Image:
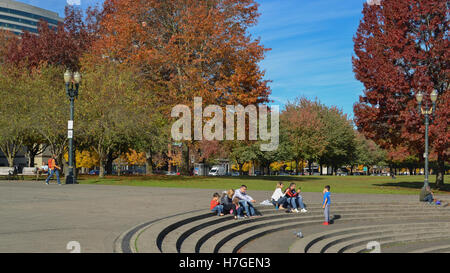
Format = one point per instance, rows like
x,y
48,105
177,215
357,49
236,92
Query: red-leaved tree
x,y
62,46
401,48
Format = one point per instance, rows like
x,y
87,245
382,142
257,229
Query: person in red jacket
x,y
294,199
215,205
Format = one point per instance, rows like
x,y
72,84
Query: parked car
x,y
342,172
217,170
94,172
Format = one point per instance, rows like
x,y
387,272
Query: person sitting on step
x,y
426,195
238,211
278,198
245,200
227,201
294,199
215,206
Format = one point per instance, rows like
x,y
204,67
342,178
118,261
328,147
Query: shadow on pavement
x,y
412,185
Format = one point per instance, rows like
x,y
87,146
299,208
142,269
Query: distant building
x,y
20,17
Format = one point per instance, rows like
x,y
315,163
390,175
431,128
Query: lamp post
x,y
72,81
427,111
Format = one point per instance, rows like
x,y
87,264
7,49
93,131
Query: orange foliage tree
x,y
187,48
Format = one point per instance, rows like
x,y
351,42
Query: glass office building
x,y
19,17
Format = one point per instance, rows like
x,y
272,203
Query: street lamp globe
x,y
77,77
419,97
67,76
434,95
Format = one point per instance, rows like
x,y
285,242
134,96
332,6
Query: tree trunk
x,y
31,160
148,167
186,160
109,163
149,163
101,173
440,171
10,159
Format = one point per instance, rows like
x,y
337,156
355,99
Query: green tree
x,y
13,110
367,152
340,137
107,114
305,131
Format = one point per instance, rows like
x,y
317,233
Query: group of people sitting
x,y
240,204
236,202
290,198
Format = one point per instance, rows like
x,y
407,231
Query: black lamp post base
x,y
71,180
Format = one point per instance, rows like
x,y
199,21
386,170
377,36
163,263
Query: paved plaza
x,y
40,218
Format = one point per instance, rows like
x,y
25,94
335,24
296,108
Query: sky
x,y
311,47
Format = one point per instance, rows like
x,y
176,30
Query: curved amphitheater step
x,y
202,231
439,249
356,239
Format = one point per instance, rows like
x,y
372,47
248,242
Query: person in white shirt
x,y
278,198
41,170
245,201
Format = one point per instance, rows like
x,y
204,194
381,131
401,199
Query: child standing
x,y
326,205
215,206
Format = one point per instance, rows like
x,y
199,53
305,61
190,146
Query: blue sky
x,y
311,42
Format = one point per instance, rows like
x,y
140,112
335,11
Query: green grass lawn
x,y
339,184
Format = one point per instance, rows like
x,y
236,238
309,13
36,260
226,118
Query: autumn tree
x,y
241,153
305,130
191,48
42,60
187,48
109,113
367,153
339,135
62,46
401,48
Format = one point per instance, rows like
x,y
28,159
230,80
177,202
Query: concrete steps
x,y
326,241
440,249
202,231
358,246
